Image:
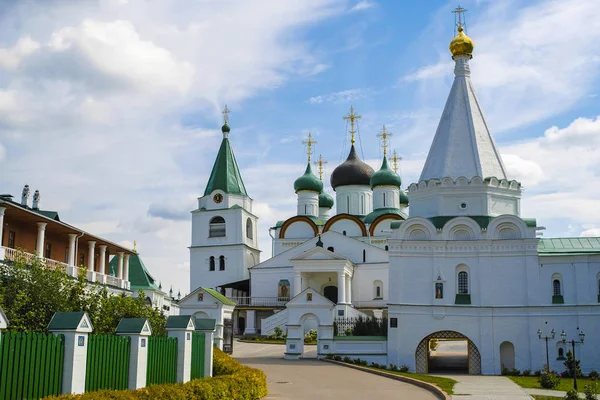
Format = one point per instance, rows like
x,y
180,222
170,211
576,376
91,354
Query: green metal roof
x,y
569,246
385,176
219,297
139,277
178,321
131,325
382,211
205,324
65,320
395,224
325,200
225,173
308,181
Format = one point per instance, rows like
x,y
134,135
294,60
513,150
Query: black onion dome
x,y
351,172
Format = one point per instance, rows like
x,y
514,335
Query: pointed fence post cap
x,y
205,324
78,321
134,326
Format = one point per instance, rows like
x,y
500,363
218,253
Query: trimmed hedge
x,y
231,380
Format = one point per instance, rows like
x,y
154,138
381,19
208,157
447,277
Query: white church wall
x,y
578,276
363,347
300,230
265,282
354,199
364,287
200,274
383,228
350,227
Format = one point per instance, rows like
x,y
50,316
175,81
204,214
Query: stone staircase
x,y
278,319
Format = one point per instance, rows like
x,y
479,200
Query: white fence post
x,y
138,329
3,323
182,327
207,326
75,326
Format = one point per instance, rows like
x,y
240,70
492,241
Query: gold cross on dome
x,y
395,161
352,117
320,162
384,135
134,245
309,144
225,113
458,11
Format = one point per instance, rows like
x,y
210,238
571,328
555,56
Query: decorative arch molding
x,y
456,228
504,222
422,352
350,217
414,224
297,218
381,218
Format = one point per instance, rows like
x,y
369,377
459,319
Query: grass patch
x,y
446,384
540,397
565,385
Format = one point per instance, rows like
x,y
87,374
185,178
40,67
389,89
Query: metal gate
x,y
228,336
198,355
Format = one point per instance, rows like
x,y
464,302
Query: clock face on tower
x,y
218,198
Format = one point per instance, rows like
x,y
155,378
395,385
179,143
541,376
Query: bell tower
x,y
224,230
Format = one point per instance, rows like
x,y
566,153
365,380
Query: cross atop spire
x,y
134,246
384,135
352,117
225,113
395,161
309,144
458,11
320,162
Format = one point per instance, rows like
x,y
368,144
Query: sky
x,y
112,108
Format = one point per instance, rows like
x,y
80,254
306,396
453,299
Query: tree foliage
x,y
30,294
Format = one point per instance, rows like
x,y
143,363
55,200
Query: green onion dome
x,y
385,176
308,182
403,198
353,171
325,200
225,128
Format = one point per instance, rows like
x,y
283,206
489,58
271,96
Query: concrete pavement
x,y
310,379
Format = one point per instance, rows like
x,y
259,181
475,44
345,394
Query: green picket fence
x,y
107,362
162,360
198,351
31,365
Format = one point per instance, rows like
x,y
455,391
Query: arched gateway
x,y
422,352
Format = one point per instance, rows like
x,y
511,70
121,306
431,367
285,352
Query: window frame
x,y
211,263
217,228
221,263
462,287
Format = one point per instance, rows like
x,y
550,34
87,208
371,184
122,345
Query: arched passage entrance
x,y
423,352
507,356
331,293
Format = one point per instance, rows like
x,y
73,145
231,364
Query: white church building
x,y
460,264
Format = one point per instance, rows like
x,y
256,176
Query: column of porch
x,y
120,254
348,289
40,238
2,209
126,272
341,287
102,263
91,257
297,284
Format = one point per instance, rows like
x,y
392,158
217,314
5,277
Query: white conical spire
x,y
463,144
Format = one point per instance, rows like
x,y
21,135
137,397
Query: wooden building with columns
x,y
28,230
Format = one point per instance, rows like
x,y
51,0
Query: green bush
x,y
571,364
526,372
590,391
593,374
278,332
404,368
571,395
549,380
231,380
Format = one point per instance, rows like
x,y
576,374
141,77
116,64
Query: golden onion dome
x,y
461,45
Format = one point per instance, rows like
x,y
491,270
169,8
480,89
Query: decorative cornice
x,y
462,181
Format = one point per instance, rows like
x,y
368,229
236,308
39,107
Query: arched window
x,y
211,264
344,233
387,248
377,290
561,353
364,255
330,249
249,228
384,199
221,263
463,282
556,288
217,227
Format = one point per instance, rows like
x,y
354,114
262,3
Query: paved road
x,y
310,379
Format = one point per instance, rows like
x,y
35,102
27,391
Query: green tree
x,y
30,294
571,364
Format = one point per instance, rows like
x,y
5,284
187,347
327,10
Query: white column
x,y
1,223
120,265
341,287
348,289
102,259
126,272
91,254
250,322
184,352
297,284
72,239
40,238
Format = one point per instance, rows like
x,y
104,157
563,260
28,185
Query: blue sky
x,y
111,108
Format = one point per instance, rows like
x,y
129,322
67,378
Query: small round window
x,y
463,206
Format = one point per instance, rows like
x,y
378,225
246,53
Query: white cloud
x,y
11,58
362,5
343,96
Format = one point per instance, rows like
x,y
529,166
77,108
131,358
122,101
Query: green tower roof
x,y
403,198
325,200
308,181
139,277
225,173
385,176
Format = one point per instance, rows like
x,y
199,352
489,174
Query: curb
x,y
430,387
276,344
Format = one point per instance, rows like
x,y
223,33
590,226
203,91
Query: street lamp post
x,y
546,338
574,343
